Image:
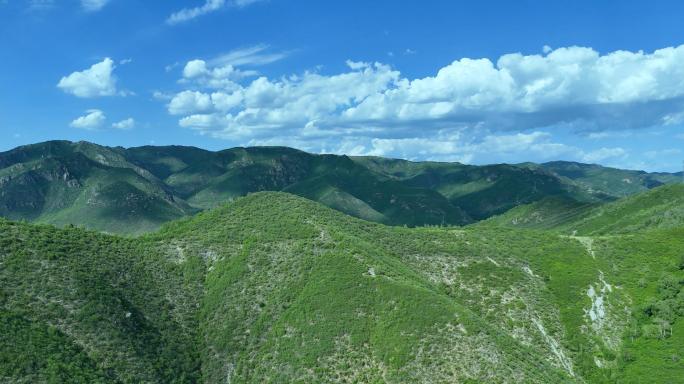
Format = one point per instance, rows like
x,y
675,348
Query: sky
x,y
476,82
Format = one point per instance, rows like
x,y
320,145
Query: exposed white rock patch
x,y
588,243
526,269
371,272
462,329
176,253
597,311
598,362
607,316
493,261
555,347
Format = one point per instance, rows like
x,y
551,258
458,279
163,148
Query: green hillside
x,y
659,208
276,288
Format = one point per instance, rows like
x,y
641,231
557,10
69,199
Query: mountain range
x,y
136,190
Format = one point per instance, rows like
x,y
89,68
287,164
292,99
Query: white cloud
x,y
193,102
197,72
574,87
209,6
188,102
195,68
93,5
171,67
222,71
457,146
602,154
448,145
93,119
255,55
662,153
601,135
674,118
465,112
163,96
124,124
98,80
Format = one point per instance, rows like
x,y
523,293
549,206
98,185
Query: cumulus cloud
x,y
93,5
98,80
464,111
188,102
125,124
223,72
209,6
573,87
199,72
93,119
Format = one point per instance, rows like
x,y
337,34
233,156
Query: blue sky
x,y
470,81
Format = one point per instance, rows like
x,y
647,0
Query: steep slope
x,y
67,183
659,208
276,288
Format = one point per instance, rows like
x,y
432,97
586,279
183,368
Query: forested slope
x,y
276,288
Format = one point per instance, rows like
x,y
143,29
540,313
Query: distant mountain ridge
x,y
611,181
137,189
